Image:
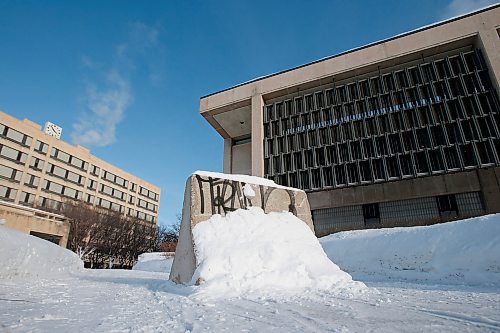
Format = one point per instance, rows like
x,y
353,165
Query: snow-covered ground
x,y
143,301
462,252
155,262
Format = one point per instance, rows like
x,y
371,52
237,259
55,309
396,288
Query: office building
x,y
39,170
400,132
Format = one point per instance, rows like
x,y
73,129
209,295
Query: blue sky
x,y
124,78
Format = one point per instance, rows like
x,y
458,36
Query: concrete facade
x,y
438,84
38,170
208,194
52,227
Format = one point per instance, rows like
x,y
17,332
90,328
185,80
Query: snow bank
x,y
154,262
462,252
250,251
23,255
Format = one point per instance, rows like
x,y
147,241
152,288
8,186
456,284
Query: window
x,y
31,180
371,214
69,159
27,198
147,193
104,203
92,184
112,192
447,206
13,154
10,173
49,203
7,193
89,198
13,135
36,163
41,147
94,170
65,174
114,179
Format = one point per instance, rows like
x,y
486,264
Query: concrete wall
x,y
30,221
407,202
241,159
206,195
466,181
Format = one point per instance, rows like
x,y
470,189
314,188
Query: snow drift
x,y
154,262
248,250
462,252
23,255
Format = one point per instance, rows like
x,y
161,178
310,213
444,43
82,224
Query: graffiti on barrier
x,y
224,195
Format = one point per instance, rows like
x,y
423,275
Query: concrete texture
x,y
205,196
33,221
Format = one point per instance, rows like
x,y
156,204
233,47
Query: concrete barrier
x,y
207,194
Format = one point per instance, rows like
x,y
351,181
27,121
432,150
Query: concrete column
x,y
228,148
257,136
489,42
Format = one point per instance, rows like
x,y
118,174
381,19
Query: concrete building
x,y
49,226
40,170
401,132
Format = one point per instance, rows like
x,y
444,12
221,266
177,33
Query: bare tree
x,y
104,237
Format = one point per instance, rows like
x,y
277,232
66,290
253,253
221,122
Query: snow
x,y
462,252
143,301
244,179
23,255
154,262
250,251
248,191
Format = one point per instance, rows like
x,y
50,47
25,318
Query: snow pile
x,y
462,252
23,255
250,251
154,262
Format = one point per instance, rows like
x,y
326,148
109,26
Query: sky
x,y
124,78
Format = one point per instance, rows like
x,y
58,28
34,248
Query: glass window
x,y
41,147
94,170
10,173
27,198
7,193
15,135
32,180
13,154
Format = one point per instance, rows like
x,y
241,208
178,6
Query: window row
x,y
147,205
69,159
427,162
390,118
112,192
305,154
464,72
101,202
114,178
57,171
147,193
61,189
